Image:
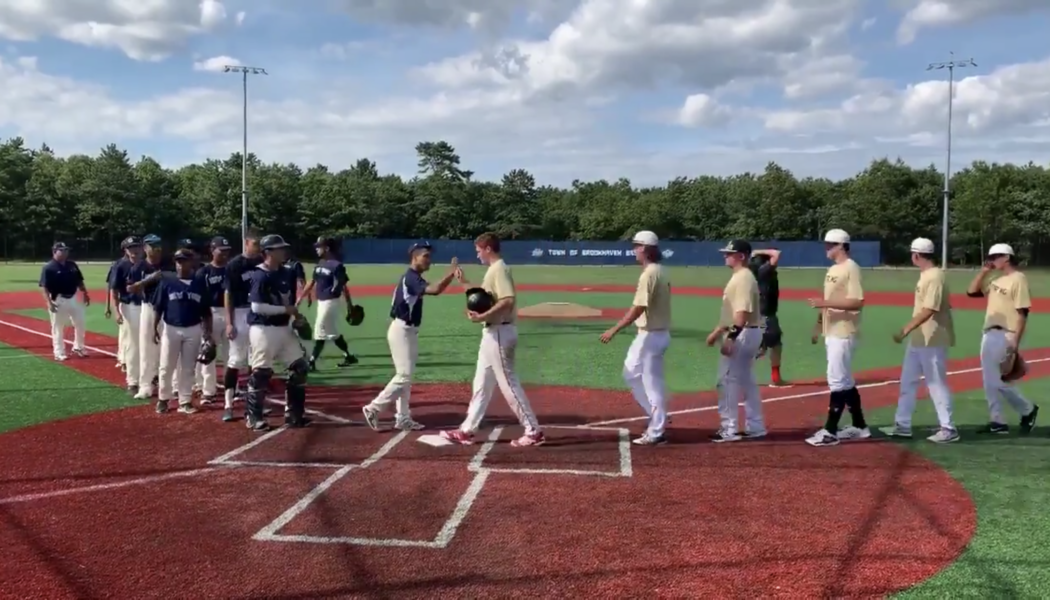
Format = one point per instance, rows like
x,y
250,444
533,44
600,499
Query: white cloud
x,y
941,13
701,110
241,16
147,30
215,64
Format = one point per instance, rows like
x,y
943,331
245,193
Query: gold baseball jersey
x,y
932,293
842,281
499,282
654,294
1006,295
740,295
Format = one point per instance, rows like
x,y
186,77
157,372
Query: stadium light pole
x,y
244,72
951,65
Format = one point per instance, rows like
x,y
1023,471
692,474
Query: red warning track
x,y
132,504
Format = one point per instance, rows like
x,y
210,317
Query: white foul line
x,y
273,399
790,397
107,486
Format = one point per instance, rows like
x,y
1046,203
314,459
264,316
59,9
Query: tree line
x,y
92,202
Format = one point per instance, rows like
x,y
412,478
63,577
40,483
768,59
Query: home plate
x,y
436,441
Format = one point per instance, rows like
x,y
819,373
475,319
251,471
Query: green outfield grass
x,y
22,276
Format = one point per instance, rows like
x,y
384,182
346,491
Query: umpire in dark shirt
x,y
60,280
764,266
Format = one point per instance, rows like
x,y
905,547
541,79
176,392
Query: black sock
x,y
836,404
318,347
856,413
229,379
340,342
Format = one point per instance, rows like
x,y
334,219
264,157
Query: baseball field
x,y
102,498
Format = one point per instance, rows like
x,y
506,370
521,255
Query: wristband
x,y
734,332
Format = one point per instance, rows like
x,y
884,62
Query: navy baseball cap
x,y
183,254
737,246
220,243
151,239
59,246
325,242
186,243
273,242
420,245
130,242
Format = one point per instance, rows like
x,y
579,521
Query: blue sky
x,y
821,87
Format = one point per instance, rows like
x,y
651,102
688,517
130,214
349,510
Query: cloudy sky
x,y
645,89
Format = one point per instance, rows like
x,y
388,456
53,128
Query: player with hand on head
x,y
329,284
60,280
763,265
271,337
406,314
182,321
128,308
213,274
838,320
643,369
499,343
738,330
237,306
1005,323
930,333
143,281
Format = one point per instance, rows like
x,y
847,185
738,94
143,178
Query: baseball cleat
x,y
145,393
313,365
753,435
407,424
61,357
853,433
649,440
256,424
206,400
721,436
897,431
997,428
460,437
529,439
187,408
133,390
371,416
822,438
79,352
162,407
1028,421
348,360
227,415
944,436
296,422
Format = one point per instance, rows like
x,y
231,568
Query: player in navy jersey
x,y
272,308
299,272
128,308
238,284
60,279
333,301
214,276
112,303
406,313
182,321
143,280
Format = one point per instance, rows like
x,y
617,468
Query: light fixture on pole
x,y
244,72
951,65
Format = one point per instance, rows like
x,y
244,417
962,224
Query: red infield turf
x,y
130,504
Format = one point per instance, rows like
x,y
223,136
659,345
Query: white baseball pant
x,y
994,349
179,347
271,345
149,350
643,370
736,382
840,362
122,342
67,311
403,340
328,314
496,368
931,363
239,346
206,377
130,341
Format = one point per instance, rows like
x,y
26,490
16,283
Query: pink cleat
x,y
531,439
460,437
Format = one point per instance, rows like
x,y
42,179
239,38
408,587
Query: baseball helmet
x,y
479,301
356,315
208,353
273,242
302,328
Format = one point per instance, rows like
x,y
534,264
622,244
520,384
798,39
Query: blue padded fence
x,y
691,254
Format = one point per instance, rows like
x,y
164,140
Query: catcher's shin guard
x,y
295,393
258,385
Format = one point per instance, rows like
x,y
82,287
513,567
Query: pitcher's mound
x,y
567,310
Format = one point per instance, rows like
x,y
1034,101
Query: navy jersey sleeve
x,y
160,297
300,272
109,275
341,278
257,291
766,270
78,278
233,272
45,277
415,284
201,284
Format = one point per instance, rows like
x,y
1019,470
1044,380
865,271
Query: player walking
x,y
499,341
406,314
129,308
238,285
182,320
643,369
930,333
839,322
272,308
1005,323
213,274
738,330
60,280
329,283
764,266
143,281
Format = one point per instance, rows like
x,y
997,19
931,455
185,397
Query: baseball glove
x,y
1013,367
356,315
302,328
209,352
